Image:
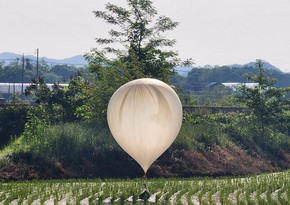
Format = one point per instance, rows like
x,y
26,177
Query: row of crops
x,y
262,189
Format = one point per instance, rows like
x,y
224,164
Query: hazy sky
x,y
215,32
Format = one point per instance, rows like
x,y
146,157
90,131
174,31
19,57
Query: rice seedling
x,y
262,189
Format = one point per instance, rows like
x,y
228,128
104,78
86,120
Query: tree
x,y
266,102
65,71
135,48
12,72
60,103
12,121
28,64
39,90
136,40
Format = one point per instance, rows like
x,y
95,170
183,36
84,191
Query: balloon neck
x,y
145,175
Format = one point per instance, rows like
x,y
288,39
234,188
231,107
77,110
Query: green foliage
x,y
266,103
97,93
185,98
61,102
37,121
197,83
69,142
203,131
248,190
218,96
198,78
135,48
12,121
39,89
65,72
136,39
15,99
12,72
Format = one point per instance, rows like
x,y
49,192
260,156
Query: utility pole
x,y
37,51
22,76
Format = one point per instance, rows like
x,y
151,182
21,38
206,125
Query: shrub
x,y
202,132
12,121
63,142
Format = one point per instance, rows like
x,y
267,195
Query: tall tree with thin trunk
x,y
135,47
137,40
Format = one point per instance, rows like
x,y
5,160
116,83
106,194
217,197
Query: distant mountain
x,y
77,60
252,64
184,70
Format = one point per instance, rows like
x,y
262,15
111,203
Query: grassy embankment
x,y
207,145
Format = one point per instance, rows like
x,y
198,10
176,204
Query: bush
x,y
67,142
246,132
202,132
12,121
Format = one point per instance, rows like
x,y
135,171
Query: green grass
x,y
70,140
249,190
55,142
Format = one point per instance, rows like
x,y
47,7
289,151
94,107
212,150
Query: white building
x,y
236,85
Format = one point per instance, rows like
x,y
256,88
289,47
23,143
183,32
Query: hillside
x,y
13,70
220,161
77,60
184,70
78,150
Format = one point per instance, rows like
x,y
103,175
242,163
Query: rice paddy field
x,y
270,189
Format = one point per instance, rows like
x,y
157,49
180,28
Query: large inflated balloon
x,y
145,116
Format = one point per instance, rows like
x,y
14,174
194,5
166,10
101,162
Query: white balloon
x,y
145,116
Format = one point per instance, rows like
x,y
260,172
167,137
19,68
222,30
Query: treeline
x,y
199,78
18,71
204,86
